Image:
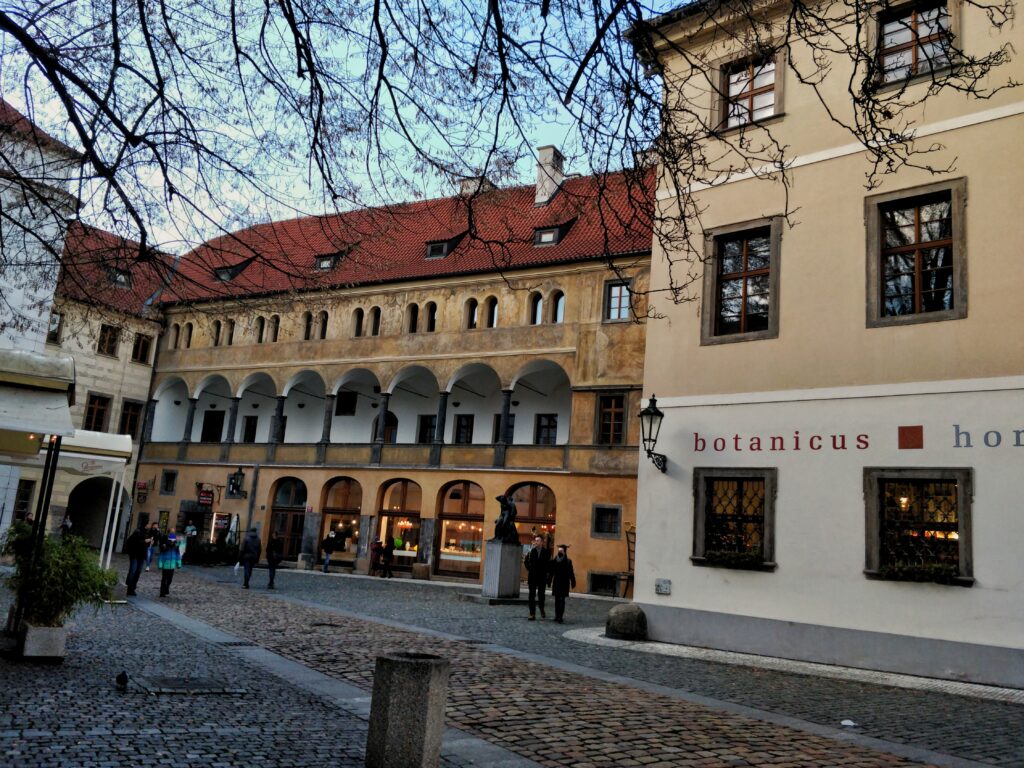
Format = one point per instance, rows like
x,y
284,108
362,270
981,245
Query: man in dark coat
x,y
249,554
387,556
136,547
275,554
328,546
537,561
562,579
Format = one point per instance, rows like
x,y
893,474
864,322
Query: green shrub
x,y
65,576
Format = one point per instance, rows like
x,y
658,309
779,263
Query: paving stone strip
x,y
554,716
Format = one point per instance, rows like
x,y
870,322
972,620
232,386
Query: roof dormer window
x,y
120,277
551,235
326,263
228,273
438,249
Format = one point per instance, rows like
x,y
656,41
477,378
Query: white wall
x,y
169,419
820,513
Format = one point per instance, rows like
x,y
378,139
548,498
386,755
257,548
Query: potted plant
x,y
64,576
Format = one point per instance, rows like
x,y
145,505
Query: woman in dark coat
x,y
562,579
275,554
387,556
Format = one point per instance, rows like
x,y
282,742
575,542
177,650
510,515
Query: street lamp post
x,y
650,426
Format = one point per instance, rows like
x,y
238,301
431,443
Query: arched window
x,y
536,309
172,340
558,307
375,321
462,529
261,327
321,324
491,313
357,323
307,326
230,339
535,511
275,326
400,521
216,333
412,318
188,336
472,314
431,317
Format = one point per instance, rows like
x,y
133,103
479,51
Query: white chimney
x,y
550,174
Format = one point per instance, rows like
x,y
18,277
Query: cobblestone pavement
x,y
536,701
72,715
984,731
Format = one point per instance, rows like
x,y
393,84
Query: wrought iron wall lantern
x,y
650,426
236,481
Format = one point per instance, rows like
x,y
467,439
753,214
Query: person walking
x,y
152,543
537,561
562,579
387,556
249,554
191,536
168,561
375,553
135,547
275,554
328,545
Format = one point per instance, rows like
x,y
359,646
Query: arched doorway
x,y
399,518
87,508
461,523
342,503
535,512
288,513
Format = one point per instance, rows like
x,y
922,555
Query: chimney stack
x,y
550,174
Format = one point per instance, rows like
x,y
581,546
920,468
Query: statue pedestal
x,y
502,563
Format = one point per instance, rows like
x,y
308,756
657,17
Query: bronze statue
x,y
505,526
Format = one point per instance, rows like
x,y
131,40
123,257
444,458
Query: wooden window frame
x,y
143,359
458,426
770,477
88,416
537,428
873,208
596,534
599,420
709,303
720,90
964,478
125,404
103,343
881,14
53,335
609,286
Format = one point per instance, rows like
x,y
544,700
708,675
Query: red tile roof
x,y
611,216
91,262
15,123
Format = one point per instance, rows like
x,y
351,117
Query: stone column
x,y
225,448
276,433
407,710
442,414
310,540
190,417
187,437
501,447
378,443
325,435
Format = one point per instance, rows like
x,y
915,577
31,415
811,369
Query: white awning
x,y
26,415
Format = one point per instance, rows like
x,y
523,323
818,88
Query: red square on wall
x,y
911,438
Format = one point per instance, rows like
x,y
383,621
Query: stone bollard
x,y
626,622
407,711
